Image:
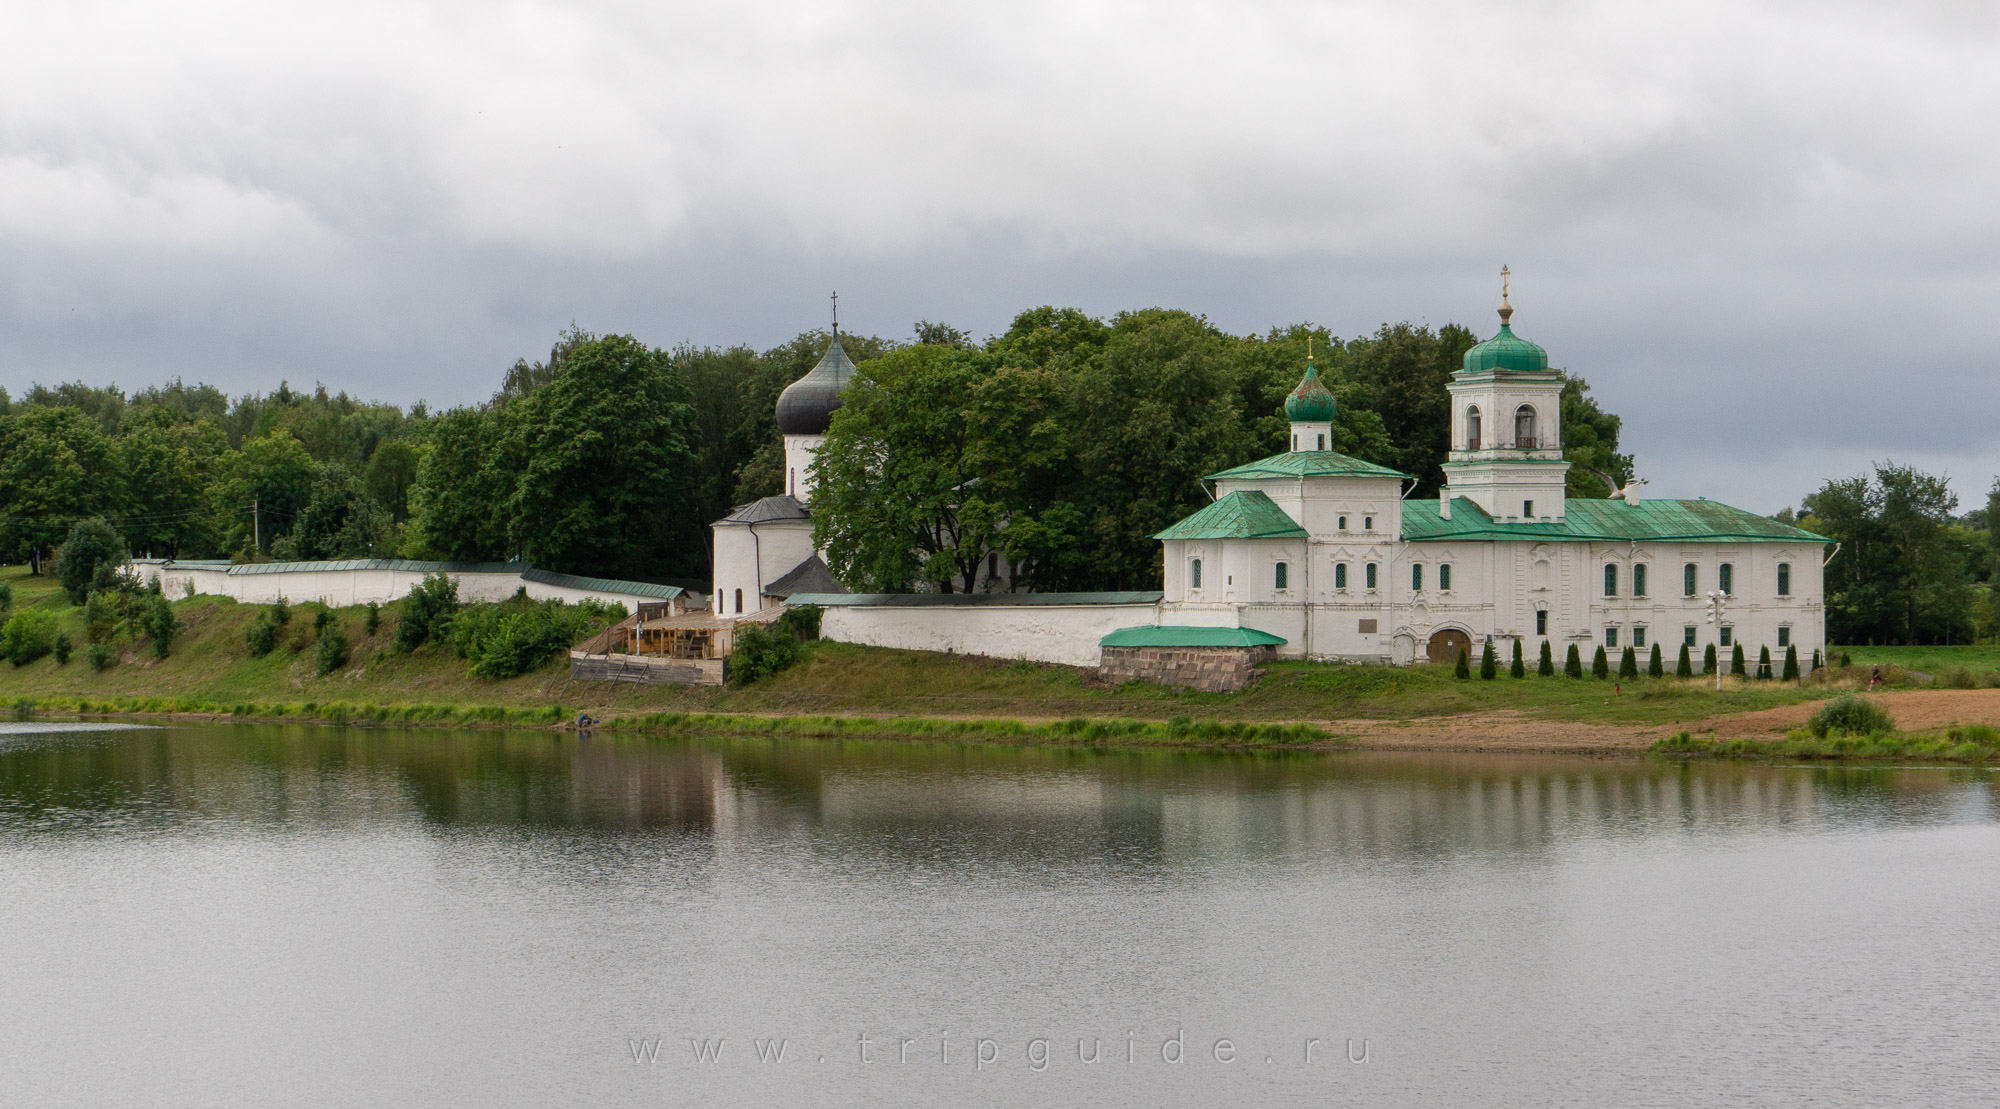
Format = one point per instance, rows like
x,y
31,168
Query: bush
x,y
1850,714
1600,667
801,622
515,636
1628,665
6,596
1736,661
1956,677
1653,667
1489,663
1684,668
1464,667
158,619
28,635
322,618
1764,663
758,655
427,612
371,622
281,612
101,656
93,550
1791,673
1547,669
333,650
1573,665
1708,660
1517,669
63,647
261,637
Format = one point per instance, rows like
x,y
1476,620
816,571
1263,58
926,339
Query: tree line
x,y
1076,436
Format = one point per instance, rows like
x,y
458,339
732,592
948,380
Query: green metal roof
x,y
1506,351
1312,401
1244,514
1180,636
404,565
955,600
1606,520
603,585
1306,464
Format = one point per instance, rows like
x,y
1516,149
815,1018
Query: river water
x,y
236,915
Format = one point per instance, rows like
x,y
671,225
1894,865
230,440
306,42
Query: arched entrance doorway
x,y
1446,645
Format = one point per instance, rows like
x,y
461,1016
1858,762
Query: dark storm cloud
x,y
1764,232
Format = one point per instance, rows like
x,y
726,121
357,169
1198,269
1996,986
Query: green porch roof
x,y
1306,464
1170,635
1606,520
1244,514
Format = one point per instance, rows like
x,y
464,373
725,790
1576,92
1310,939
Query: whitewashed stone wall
x,y
1066,634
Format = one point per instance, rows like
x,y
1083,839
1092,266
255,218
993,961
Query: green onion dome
x,y
1312,402
1506,351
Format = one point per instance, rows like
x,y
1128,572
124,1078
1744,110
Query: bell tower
x,y
1506,427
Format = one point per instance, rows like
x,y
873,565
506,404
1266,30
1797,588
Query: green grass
x,y
211,671
1978,658
1974,743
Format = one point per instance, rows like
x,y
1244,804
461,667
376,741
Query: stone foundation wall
x,y
1209,669
645,671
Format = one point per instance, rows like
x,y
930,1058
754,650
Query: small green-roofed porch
x,y
1177,635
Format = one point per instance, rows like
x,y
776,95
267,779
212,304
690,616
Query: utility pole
x,y
1717,609
256,524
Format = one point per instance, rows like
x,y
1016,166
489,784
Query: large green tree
x,y
169,461
458,505
1900,574
341,519
1406,368
56,467
260,490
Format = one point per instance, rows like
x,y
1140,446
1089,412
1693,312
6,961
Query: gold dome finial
x,y
1506,309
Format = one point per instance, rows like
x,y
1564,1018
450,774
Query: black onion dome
x,y
806,406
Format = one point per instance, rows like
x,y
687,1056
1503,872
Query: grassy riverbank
x,y
1972,743
838,690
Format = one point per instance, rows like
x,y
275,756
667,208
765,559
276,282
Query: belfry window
x,y
1610,579
1321,436
1472,428
1194,573
1524,427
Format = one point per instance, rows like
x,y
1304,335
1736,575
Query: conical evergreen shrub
x,y
1653,667
1708,660
1736,661
1548,667
1684,668
1815,660
1791,662
1600,667
1573,665
1462,670
1489,663
1764,663
1628,665
1517,670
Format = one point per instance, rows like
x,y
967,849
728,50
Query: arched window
x,y
1340,575
1444,576
1524,427
1295,440
1417,576
1687,580
739,595
1472,428
1283,572
1639,585
1610,579
792,481
1784,581
1725,577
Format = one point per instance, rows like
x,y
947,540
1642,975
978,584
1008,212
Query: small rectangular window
x,y
1194,574
1639,636
1340,575
1541,621
1728,635
1784,581
1784,635
1687,580
1687,635
1639,585
1370,575
1444,577
1611,637
1725,578
1367,627
1528,509
1281,574
1417,577
1322,440
1610,580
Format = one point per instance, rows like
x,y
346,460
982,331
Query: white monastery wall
x,y
1065,634
357,587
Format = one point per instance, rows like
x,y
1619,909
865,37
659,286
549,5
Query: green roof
x,y
1506,351
1170,635
401,565
1245,514
1306,464
602,585
959,600
1606,520
1312,401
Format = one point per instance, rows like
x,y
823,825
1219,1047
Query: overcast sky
x,y
1768,234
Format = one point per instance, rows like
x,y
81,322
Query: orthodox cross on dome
x,y
836,311
1506,309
